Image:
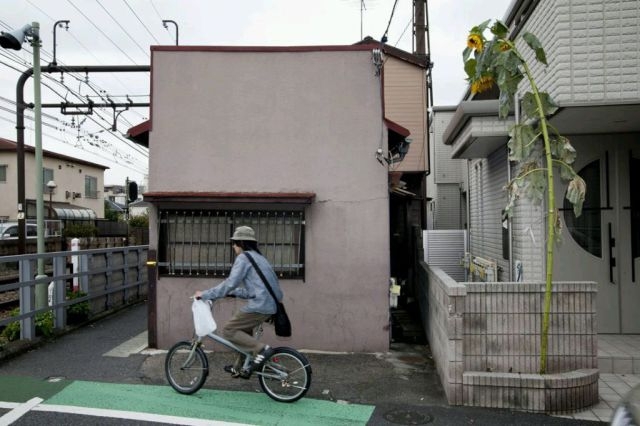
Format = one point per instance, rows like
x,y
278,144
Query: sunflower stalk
x,y
534,141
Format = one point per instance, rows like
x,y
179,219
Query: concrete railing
x,y
485,339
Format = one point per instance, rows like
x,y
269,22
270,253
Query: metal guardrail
x,y
109,278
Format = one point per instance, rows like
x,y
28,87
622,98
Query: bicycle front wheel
x,y
286,375
186,367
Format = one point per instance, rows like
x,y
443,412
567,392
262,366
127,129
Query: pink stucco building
x,y
295,142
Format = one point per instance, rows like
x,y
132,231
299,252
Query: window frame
x,y
89,179
280,233
47,175
3,173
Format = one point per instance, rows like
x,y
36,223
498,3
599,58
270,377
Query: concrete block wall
x,y
445,300
503,323
485,339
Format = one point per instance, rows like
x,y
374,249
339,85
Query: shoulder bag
x,y
280,319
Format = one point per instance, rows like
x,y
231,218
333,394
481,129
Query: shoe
x,y
261,357
233,371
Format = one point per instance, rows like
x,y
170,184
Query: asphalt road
x,y
396,388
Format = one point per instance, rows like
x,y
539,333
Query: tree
x,y
535,144
109,212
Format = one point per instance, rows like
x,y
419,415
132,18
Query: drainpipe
x,y
21,106
516,113
466,271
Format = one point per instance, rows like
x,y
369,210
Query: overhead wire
x,y
140,20
123,28
89,84
49,77
156,9
107,146
89,51
393,10
102,32
403,32
97,154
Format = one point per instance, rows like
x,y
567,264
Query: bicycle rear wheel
x,y
286,375
186,367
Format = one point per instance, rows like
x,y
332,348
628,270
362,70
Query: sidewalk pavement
x,y
402,384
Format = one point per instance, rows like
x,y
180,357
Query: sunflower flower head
x,y
504,46
474,41
482,84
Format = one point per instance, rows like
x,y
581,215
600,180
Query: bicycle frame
x,y
197,341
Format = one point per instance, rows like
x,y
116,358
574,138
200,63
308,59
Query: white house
x,y
594,76
76,196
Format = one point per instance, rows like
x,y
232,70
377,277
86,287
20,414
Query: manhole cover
x,y
407,417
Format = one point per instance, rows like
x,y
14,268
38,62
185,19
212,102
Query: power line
x,y
140,20
79,42
404,31
156,10
127,142
122,28
384,37
69,90
80,147
102,32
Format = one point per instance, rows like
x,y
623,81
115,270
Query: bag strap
x,y
262,277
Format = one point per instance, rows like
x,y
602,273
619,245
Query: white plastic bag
x,y
202,318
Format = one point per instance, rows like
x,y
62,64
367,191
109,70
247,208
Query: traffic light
x,y
132,191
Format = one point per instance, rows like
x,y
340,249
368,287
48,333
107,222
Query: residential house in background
x,y
299,143
76,196
594,77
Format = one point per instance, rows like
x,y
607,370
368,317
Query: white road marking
x,y
132,346
19,411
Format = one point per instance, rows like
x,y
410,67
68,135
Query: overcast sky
x,y
119,32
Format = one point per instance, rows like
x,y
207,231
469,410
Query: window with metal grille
x,y
196,242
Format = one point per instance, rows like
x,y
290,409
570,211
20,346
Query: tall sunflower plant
x,y
534,143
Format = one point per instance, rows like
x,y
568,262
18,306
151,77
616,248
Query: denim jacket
x,y
245,283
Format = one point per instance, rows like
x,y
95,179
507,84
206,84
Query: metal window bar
x,y
192,247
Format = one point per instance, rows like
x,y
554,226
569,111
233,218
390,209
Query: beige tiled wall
x,y
485,339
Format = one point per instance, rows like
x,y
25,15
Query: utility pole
x,y
420,27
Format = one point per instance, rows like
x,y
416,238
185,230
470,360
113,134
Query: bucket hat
x,y
244,233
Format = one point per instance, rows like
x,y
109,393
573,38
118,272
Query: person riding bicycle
x,y
244,282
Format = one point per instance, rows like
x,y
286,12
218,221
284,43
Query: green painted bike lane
x,y
237,407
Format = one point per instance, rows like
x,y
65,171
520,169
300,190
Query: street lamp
x,y
51,185
14,40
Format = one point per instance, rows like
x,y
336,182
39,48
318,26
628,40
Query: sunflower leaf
x,y
548,104
523,140
479,29
529,105
536,46
466,53
470,68
505,103
576,193
499,29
